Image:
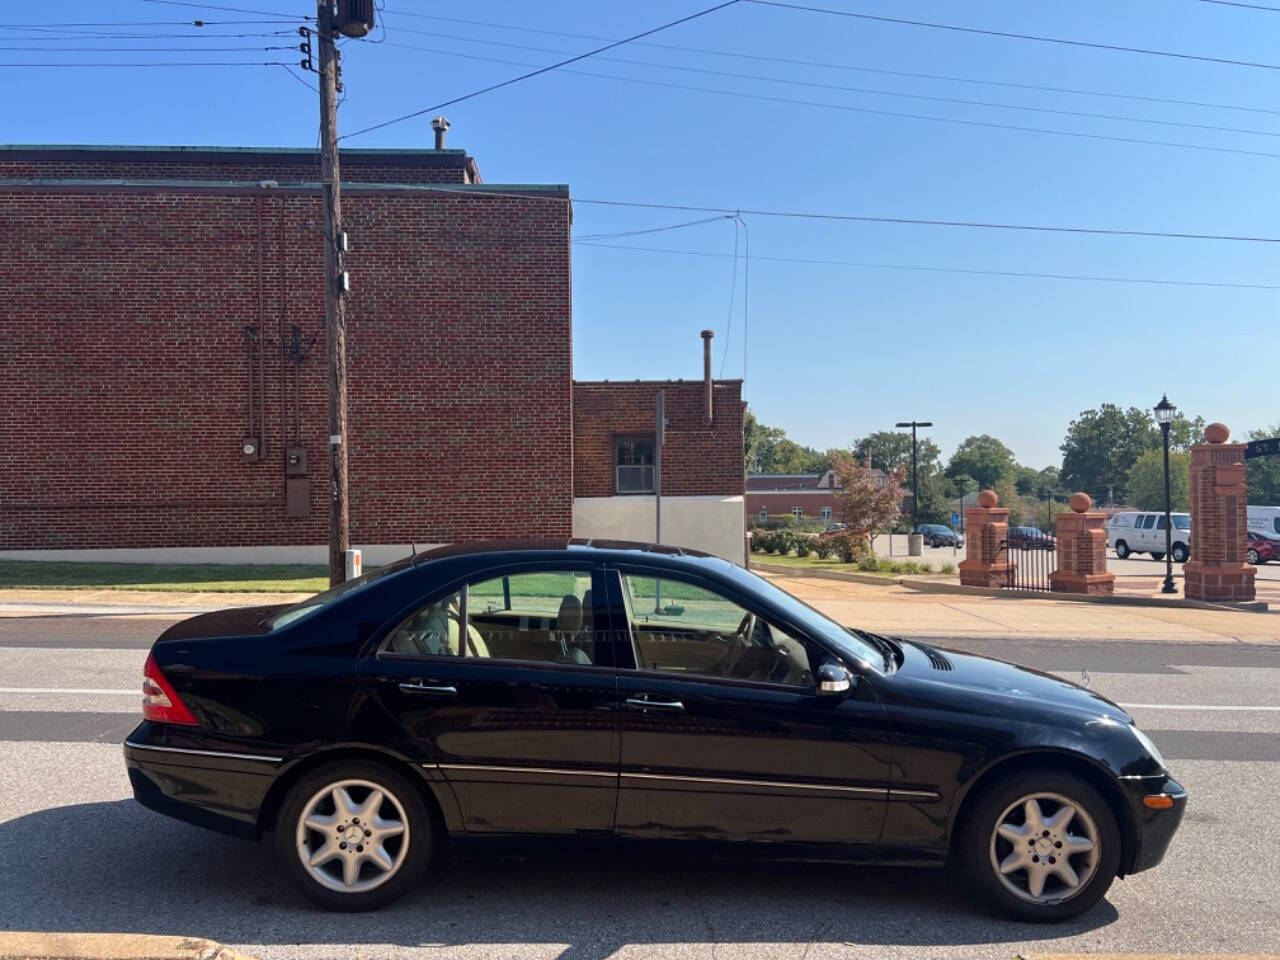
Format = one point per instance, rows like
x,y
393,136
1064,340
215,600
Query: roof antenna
x,y
413,548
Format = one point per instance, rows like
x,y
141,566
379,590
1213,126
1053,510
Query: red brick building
x,y
165,304
805,497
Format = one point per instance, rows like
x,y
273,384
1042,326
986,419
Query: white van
x,y
1264,519
1134,531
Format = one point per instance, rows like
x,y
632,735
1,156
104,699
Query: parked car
x,y
1135,531
940,535
835,527
1261,547
1030,538
481,698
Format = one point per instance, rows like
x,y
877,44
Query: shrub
x,y
822,547
783,541
868,562
804,545
948,567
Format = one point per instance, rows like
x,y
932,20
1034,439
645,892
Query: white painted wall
x,y
712,524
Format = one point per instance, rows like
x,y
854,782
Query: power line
x,y
672,226
86,35
540,70
864,90
1247,6
473,193
277,18
956,28
792,101
933,269
733,289
148,49
791,61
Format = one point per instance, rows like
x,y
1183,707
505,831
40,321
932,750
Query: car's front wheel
x,y
1122,549
1252,556
1180,553
353,836
1040,845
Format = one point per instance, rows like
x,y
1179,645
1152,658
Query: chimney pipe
x,y
440,125
708,414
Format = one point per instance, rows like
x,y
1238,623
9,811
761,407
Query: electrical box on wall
x,y
295,461
251,449
297,497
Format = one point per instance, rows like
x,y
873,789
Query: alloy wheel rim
x,y
352,836
1045,848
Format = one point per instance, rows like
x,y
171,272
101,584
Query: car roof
x,y
550,547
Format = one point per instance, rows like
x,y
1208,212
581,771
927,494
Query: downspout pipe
x,y
708,414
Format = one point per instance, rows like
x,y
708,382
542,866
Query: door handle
x,y
429,690
670,706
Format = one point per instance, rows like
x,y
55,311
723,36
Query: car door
x,y
501,683
725,735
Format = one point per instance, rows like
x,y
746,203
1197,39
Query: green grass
x,y
165,577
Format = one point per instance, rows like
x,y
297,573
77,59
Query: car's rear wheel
x,y
1040,845
1122,549
1252,556
1180,553
353,836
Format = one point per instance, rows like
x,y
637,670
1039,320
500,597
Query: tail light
x,y
160,702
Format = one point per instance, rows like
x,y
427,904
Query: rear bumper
x,y
217,790
1155,828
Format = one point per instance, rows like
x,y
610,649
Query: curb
x,y
1148,956
111,946
784,570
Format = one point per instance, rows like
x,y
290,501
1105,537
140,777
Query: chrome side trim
x,y
915,795
876,791
553,771
204,753
1142,776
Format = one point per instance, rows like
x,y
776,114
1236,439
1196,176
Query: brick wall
x,y
301,166
123,371
781,502
696,460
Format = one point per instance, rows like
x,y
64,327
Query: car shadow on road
x,y
117,867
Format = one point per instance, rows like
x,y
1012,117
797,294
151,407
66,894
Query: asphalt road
x,y
76,853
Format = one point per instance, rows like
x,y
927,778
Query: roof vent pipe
x,y
706,376
440,125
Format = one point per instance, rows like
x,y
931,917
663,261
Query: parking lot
x,y
80,854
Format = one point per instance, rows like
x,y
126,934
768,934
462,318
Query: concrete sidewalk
x,y
883,607
895,609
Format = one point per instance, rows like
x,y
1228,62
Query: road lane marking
x,y
90,691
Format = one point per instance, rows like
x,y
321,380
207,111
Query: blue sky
x,y
833,351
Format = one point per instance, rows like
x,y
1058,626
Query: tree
x,y
1145,485
985,459
864,503
1264,472
769,450
1100,447
1183,432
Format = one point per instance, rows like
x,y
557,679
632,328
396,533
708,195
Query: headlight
x,y
1149,746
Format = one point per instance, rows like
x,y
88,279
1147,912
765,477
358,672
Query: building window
x,y
826,514
633,465
764,515
798,513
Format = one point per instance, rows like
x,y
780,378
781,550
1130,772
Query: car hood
x,y
981,674
234,622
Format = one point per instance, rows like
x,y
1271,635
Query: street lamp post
x,y
1164,416
915,545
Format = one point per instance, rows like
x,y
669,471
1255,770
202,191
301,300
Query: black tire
x,y
419,836
1252,556
1180,553
1122,549
975,848
1156,556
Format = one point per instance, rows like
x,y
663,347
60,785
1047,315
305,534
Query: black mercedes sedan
x,y
500,697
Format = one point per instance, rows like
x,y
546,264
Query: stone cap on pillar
x,y
1217,433
987,499
1080,502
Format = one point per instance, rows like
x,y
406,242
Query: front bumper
x,y
217,790
1155,828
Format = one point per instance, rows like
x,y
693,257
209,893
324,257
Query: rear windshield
x,y
322,600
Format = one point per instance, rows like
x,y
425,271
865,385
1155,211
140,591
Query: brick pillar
x,y
1217,569
1082,550
986,561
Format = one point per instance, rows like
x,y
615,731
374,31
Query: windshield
x,y
819,624
333,594
1182,523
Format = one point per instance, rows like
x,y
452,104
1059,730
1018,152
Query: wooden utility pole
x,y
335,284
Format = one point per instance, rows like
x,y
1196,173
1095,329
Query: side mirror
x,y
833,678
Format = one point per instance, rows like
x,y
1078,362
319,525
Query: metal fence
x,y
1030,563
